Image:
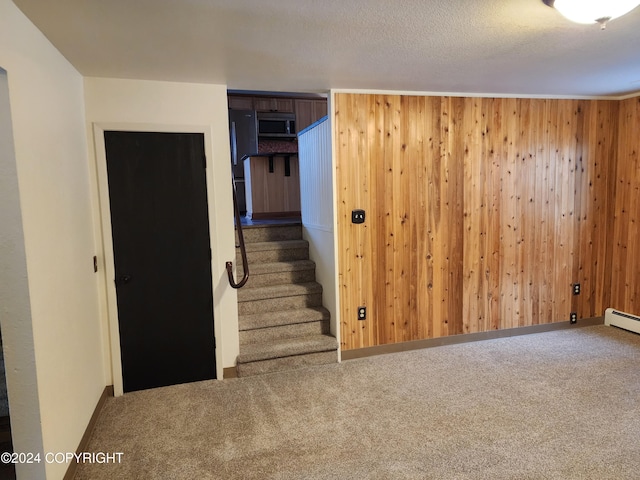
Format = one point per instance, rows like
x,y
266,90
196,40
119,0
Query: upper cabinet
x,y
240,102
307,110
273,104
261,104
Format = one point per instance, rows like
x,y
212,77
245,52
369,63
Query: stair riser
x,y
281,278
275,255
270,233
280,303
275,319
286,363
278,291
285,331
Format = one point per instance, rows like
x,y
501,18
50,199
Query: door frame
x,y
107,263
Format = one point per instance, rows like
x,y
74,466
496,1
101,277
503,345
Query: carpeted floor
x,y
558,405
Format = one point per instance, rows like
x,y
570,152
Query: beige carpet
x,y
559,405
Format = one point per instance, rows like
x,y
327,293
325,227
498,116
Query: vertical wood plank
x,y
625,293
420,233
474,289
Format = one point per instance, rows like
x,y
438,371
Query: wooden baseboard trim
x,y
467,337
84,442
275,215
229,372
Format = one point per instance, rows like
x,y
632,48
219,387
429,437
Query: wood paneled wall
x,y
625,277
480,213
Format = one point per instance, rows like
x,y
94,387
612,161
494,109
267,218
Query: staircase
x,y
283,324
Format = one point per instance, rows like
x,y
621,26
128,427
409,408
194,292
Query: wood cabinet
x,y
273,104
308,111
260,104
240,102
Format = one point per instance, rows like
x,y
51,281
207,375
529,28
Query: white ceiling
x,y
517,47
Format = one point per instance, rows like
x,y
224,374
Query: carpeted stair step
x,y
278,251
275,319
271,233
265,327
286,354
286,363
287,348
279,297
278,273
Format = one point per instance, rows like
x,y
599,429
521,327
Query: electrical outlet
x,y
362,313
576,289
573,317
357,216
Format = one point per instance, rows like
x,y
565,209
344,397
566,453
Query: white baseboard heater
x,y
622,320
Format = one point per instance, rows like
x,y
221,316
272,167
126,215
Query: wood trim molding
x,y
467,337
269,215
84,442
229,372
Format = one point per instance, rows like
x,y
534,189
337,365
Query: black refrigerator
x,y
243,132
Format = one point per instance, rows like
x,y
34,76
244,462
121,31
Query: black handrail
x,y
243,249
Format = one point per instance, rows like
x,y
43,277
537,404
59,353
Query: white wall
x,y
64,335
15,308
123,104
316,200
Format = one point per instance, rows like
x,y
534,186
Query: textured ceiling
x,y
517,47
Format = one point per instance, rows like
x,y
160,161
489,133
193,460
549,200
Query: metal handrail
x,y
243,249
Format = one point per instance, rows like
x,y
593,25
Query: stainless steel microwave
x,y
276,125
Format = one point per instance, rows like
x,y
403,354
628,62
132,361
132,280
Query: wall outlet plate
x,y
357,216
576,289
573,317
362,313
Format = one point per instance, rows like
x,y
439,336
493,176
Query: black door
x,y
158,200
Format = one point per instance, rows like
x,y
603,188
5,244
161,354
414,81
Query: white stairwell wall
x,y
316,202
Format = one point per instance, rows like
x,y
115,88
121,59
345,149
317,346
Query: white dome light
x,y
593,11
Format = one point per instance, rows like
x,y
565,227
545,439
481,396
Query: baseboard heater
x,y
622,320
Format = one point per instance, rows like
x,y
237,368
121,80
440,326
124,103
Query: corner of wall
x,y
59,365
15,304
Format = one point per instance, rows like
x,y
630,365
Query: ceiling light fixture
x,y
593,11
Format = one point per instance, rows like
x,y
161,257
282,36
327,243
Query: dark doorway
x,y
7,469
160,226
